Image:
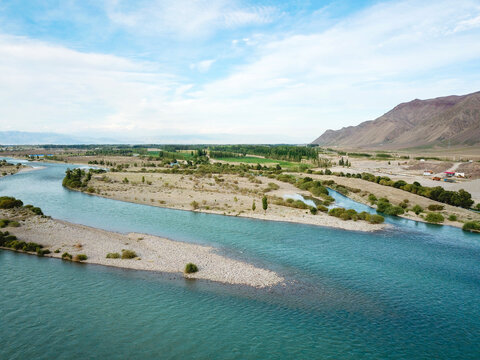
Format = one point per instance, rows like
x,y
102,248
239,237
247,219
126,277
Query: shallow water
x,y
409,292
301,198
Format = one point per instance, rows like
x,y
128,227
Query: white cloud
x,y
296,86
186,18
202,66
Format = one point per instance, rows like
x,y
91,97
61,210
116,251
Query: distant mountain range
x,y
42,138
443,121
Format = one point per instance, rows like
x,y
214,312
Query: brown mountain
x,y
453,120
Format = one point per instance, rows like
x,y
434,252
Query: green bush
x,y
67,256
41,252
113,256
322,208
34,209
473,226
452,218
434,218
376,219
191,268
128,254
394,210
8,202
313,210
435,207
32,247
372,198
417,209
80,257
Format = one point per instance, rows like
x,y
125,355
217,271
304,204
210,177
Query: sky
x,y
220,71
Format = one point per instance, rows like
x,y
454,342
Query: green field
x,y
256,160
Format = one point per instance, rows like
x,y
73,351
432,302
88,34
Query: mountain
x,y
42,138
450,120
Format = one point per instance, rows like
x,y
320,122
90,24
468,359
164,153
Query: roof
x,y
449,172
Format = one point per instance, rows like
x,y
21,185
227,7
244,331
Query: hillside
x,y
418,123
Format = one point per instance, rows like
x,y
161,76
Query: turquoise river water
x,y
409,292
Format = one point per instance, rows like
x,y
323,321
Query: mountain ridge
x,y
451,119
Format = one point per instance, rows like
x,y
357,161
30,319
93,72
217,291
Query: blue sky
x,y
227,71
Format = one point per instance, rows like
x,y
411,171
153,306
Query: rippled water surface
x,y
409,292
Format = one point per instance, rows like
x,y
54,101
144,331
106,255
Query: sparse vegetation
x,y
113,256
80,257
417,209
67,256
472,226
191,268
351,214
434,218
128,254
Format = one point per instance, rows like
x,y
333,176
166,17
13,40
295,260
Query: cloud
x,y
202,66
294,86
186,18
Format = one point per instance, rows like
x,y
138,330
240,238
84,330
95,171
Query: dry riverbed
x,y
153,253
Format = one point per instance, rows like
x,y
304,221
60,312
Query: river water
x,y
409,292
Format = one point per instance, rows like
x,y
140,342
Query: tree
x,y
143,179
265,203
254,206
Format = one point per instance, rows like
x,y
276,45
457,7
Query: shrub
x,y
41,252
66,256
403,205
394,211
434,218
57,251
31,247
265,203
383,205
473,226
8,202
128,254
35,210
435,207
194,205
113,256
80,257
417,209
14,224
322,208
191,268
372,198
376,219
313,210
452,217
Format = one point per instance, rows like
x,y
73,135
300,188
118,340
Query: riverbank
x,y
153,253
7,168
397,196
